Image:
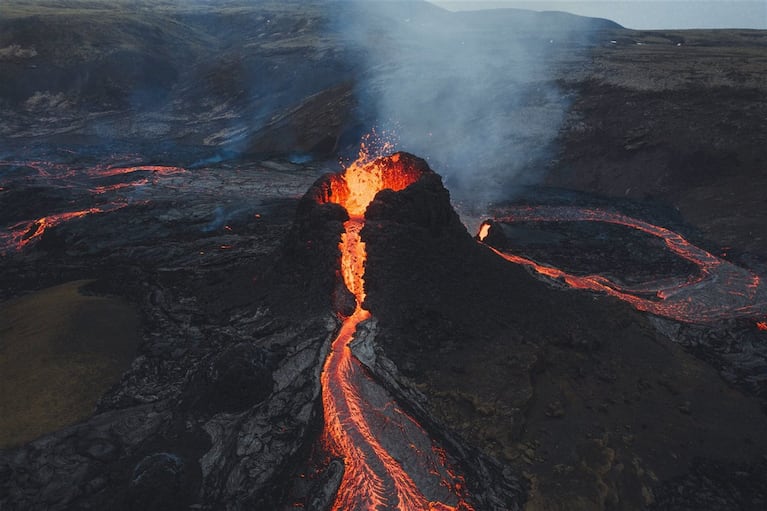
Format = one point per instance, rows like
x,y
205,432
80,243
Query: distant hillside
x,y
547,21
249,76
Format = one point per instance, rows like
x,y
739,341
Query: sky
x,y
643,14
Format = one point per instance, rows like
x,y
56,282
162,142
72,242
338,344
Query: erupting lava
x,y
385,451
720,290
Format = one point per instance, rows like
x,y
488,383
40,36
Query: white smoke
x,y
472,92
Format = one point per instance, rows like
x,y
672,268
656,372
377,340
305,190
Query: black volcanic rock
x,y
671,117
308,259
221,404
157,483
424,208
222,400
715,487
236,379
556,383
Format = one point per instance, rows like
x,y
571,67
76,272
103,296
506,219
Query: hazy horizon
x,y
642,14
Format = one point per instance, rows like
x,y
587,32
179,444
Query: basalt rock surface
x,y
222,420
597,406
735,346
221,407
674,117
221,400
580,392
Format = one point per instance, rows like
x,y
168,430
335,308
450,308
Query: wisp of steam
x,y
472,92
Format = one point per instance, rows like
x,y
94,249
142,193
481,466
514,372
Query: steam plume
x,y
472,92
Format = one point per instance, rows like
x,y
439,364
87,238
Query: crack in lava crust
x,y
385,451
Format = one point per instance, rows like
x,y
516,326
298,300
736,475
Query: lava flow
x,y
390,462
22,234
720,290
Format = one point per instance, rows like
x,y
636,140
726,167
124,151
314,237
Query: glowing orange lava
x,y
762,325
373,478
484,229
720,290
25,233
162,170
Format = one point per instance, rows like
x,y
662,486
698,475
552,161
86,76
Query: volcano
x,y
208,303
384,357
389,459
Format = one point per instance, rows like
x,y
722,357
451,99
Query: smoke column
x,y
472,92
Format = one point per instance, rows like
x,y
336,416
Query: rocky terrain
x,y
163,269
686,113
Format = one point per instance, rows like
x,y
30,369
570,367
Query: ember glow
x,y
22,234
109,196
484,229
160,170
157,172
719,290
363,424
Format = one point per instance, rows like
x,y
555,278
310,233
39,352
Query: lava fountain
x,y
390,462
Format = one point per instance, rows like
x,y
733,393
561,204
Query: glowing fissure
x,y
374,478
720,290
27,232
24,233
62,172
162,170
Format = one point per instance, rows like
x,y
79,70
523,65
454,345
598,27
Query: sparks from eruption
x,y
719,291
373,478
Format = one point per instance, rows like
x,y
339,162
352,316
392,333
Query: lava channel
x,y
720,290
26,233
389,460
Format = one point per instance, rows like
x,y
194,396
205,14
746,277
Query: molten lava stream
x,y
721,290
22,234
384,450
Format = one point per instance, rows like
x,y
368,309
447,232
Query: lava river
x,y
85,184
720,290
389,460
